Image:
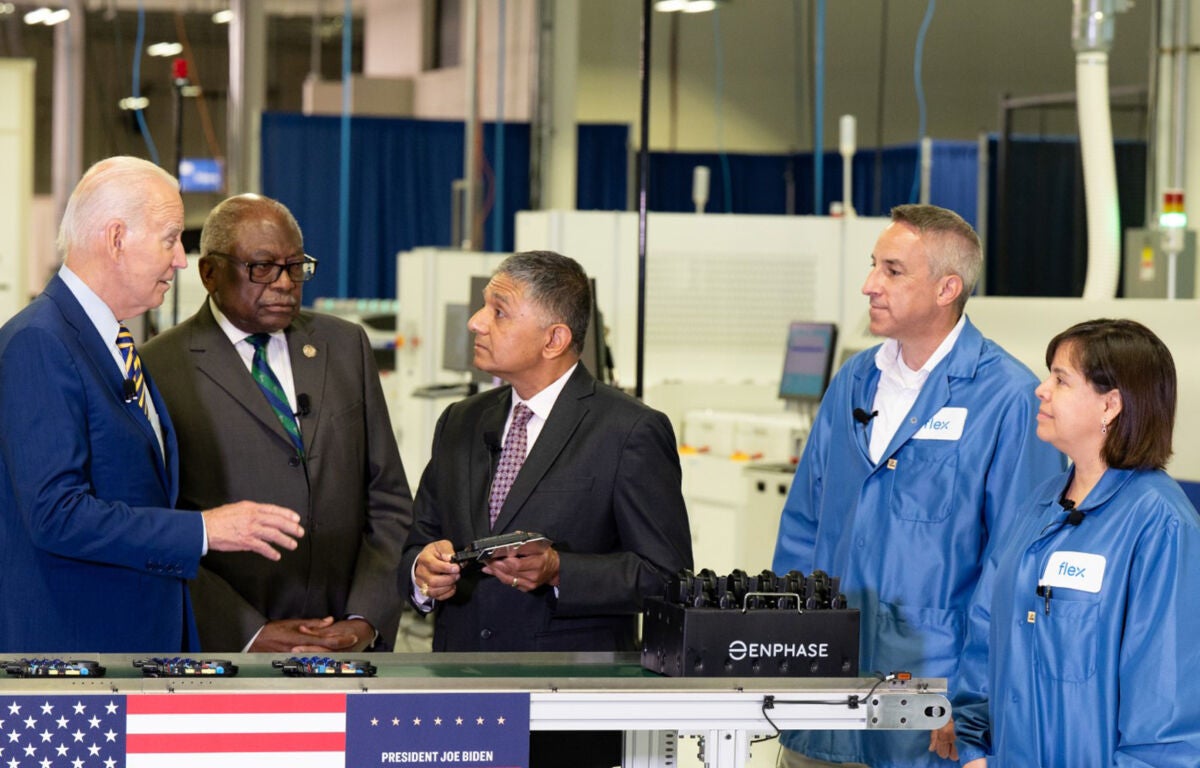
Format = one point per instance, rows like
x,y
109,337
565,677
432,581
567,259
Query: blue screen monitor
x,y
200,174
808,361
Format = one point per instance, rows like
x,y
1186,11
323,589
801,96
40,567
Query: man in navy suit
x,y
92,556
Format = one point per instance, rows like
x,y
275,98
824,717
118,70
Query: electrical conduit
x,y
1092,36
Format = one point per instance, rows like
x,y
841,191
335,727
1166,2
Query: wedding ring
x,y
514,581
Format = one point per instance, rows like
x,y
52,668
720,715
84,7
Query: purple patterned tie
x,y
511,459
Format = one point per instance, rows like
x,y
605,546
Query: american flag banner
x,y
264,730
236,730
62,731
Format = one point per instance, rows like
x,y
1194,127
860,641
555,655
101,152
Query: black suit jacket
x,y
602,482
352,495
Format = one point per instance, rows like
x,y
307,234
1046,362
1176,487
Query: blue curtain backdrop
x,y
758,184
1042,248
602,167
402,170
400,179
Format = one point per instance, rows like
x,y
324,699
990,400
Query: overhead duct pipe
x,y
1092,36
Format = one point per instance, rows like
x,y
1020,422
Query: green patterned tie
x,y
273,391
133,367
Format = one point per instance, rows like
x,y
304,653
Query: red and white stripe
x,y
254,730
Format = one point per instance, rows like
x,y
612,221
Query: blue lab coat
x,y
908,535
1103,672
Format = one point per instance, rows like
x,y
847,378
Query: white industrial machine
x,y
722,295
432,342
16,184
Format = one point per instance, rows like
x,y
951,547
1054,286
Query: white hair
x,y
111,189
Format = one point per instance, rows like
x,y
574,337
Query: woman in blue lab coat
x,y
1084,640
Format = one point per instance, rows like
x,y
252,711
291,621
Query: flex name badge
x,y
1074,570
946,424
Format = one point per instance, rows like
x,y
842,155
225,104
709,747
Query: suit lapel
x,y
108,372
309,356
216,358
866,382
569,410
170,454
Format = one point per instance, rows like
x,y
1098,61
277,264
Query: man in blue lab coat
x,y
921,450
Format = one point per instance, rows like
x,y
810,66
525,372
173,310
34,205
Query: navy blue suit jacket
x,y
92,557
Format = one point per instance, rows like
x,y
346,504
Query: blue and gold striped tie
x,y
261,371
133,367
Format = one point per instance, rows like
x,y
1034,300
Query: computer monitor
x,y
458,343
808,361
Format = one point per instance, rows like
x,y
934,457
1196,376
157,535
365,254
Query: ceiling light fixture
x,y
687,6
222,17
164,49
46,16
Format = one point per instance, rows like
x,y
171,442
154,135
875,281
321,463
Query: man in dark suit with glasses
x,y
275,403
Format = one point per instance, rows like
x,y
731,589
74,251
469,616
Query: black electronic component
x,y
323,666
484,549
53,668
181,667
751,626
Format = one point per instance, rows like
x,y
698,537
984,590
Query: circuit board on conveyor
x,y
181,667
323,666
52,668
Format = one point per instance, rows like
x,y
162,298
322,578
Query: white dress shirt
x,y
899,387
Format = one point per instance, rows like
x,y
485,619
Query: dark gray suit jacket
x,y
353,494
602,482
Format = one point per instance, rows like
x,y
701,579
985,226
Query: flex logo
x,y
946,424
1074,570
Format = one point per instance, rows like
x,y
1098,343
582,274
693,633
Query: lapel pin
x,y
309,350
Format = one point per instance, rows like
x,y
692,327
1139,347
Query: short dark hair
x,y
558,285
220,232
1126,356
954,246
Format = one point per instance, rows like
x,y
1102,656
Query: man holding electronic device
x,y
556,453
599,479
920,448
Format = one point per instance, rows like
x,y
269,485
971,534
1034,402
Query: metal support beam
x,y
247,93
66,134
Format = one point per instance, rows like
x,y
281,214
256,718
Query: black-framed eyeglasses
x,y
267,272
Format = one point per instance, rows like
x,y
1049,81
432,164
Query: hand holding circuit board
x,y
503,545
521,560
